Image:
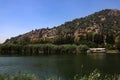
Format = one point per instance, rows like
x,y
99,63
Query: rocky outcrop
x,y
35,34
41,33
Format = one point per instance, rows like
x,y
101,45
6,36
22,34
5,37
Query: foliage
x,y
37,49
110,39
98,39
82,49
95,75
108,46
18,76
118,45
107,21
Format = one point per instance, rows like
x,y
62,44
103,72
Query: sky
x,y
20,16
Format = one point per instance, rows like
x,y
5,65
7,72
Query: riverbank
x,y
95,75
44,49
113,51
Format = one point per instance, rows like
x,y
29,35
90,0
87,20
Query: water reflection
x,y
64,66
97,57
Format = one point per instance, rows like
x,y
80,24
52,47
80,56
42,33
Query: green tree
x,y
23,41
82,49
98,39
90,36
118,45
110,39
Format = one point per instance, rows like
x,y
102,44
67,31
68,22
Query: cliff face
x,y
105,22
41,33
34,35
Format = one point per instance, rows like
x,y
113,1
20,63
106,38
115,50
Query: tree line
x,y
41,49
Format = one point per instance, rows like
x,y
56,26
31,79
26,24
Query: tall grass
x,y
41,49
95,75
19,76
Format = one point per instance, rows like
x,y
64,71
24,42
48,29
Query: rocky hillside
x,y
100,27
34,35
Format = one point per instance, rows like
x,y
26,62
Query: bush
x,y
82,49
118,45
96,75
109,46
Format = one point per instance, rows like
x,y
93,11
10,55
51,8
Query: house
x,y
96,50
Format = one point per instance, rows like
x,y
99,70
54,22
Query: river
x,y
62,66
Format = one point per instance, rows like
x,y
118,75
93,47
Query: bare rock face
x,y
34,34
114,12
83,32
42,33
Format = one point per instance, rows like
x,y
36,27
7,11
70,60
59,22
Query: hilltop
x,y
99,28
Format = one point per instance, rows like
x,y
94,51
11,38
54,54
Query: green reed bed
x,y
41,49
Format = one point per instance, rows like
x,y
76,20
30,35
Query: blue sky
x,y
21,16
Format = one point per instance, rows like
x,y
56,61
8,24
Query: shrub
x,y
82,49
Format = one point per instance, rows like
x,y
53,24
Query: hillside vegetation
x,y
101,29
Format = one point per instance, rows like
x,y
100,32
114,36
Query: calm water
x,y
64,66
